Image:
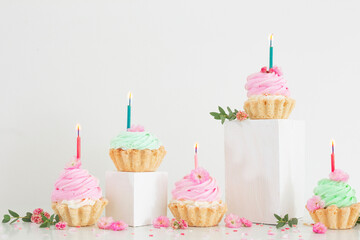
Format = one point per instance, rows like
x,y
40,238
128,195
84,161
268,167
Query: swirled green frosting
x,y
335,193
135,140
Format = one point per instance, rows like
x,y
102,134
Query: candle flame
x,y
196,147
78,127
332,142
130,95
271,39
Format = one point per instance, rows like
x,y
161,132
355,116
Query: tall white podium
x,y
264,168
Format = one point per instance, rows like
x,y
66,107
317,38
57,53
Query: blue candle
x,y
129,112
271,52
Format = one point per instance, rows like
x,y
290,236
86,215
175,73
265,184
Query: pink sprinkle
x,y
257,224
234,230
227,233
271,233
182,234
77,226
261,225
151,235
18,221
283,230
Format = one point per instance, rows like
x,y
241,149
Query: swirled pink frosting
x,y
76,183
191,188
265,82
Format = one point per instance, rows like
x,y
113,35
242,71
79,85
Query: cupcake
x,y
197,199
77,197
334,203
268,95
136,151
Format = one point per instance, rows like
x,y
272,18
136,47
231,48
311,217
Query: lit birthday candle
x,y
129,112
271,52
196,156
332,156
78,142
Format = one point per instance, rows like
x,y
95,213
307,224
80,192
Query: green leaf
x,y
222,110
26,219
286,218
57,218
214,114
29,214
280,224
294,221
277,217
43,225
14,214
48,224
52,218
290,223
229,110
6,218
222,119
14,220
44,218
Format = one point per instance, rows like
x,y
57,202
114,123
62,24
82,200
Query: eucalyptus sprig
x,y
15,216
283,221
47,222
222,115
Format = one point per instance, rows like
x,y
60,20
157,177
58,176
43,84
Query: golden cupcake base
x,y
337,218
84,216
269,107
198,216
133,160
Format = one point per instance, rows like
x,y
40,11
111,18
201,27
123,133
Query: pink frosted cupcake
x,y
77,197
197,199
268,95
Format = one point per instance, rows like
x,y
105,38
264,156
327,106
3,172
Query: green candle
x,y
271,52
129,112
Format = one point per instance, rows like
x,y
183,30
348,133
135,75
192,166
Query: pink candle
x,y
332,157
196,156
78,153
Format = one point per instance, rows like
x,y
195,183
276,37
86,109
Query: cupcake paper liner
x,y
269,108
337,218
84,216
198,216
133,160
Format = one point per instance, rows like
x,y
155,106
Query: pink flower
x,y
136,128
264,69
118,226
319,228
38,211
276,70
74,163
60,225
46,214
241,115
315,203
105,222
36,218
161,221
232,221
339,175
199,175
182,224
245,222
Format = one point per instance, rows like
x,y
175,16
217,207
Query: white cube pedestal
x,y
265,164
136,197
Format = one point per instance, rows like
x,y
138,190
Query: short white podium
x,y
264,168
136,197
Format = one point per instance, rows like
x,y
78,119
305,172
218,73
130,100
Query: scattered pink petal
x,y
118,226
60,225
232,221
182,234
151,235
245,222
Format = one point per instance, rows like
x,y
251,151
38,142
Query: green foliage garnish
x,y
283,221
47,222
222,115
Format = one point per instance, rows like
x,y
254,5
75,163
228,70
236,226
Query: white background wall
x,y
69,62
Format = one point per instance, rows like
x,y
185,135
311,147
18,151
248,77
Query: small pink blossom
x,y
105,222
276,70
241,115
245,222
60,225
46,214
74,163
182,224
38,211
339,175
319,228
199,175
264,69
232,221
161,221
315,203
36,218
136,128
118,226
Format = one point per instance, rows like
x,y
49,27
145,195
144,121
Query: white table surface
x,y
31,231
